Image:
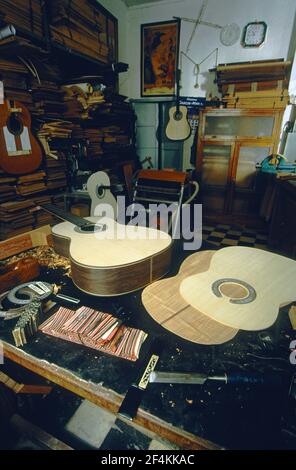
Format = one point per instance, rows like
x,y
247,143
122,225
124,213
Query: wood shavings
x,y
47,257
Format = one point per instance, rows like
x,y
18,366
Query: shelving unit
x,y
57,64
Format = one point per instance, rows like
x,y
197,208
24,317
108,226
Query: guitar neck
x,y
178,78
74,219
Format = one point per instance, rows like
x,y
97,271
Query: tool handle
x,y
131,402
254,378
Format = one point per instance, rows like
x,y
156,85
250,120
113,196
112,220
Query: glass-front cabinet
x,y
231,142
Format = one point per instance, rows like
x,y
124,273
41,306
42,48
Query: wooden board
x,y
166,306
26,241
243,287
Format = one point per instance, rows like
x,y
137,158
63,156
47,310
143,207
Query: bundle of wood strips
x,y
259,84
96,330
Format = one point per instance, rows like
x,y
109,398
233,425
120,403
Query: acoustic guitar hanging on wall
x,y
178,127
19,150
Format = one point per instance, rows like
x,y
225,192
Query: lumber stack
x,y
48,99
31,184
93,139
104,118
56,170
7,187
24,15
82,27
53,136
15,218
81,100
42,217
15,77
260,84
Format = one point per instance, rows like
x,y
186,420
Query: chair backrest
x,y
160,187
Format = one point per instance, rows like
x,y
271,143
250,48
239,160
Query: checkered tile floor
x,y
227,235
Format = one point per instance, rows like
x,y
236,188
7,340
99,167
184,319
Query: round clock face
x,y
254,34
230,34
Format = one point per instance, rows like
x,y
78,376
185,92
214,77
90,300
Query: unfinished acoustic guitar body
x,y
163,302
102,265
243,287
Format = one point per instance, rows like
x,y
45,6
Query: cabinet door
x,y
215,175
216,164
245,196
248,157
229,127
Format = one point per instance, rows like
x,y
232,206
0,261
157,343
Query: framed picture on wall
x,y
159,58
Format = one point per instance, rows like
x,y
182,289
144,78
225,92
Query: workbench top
x,y
231,417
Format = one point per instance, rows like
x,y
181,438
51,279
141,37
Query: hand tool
x,y
132,400
237,378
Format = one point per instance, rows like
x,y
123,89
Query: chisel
x,y
238,378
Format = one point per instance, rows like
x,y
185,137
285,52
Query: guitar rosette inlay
x,y
238,292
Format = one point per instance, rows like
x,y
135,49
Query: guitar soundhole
x,y
15,125
178,116
238,292
91,228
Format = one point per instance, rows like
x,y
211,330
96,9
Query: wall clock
x,y
254,34
230,34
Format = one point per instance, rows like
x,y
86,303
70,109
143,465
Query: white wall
x,y
120,11
278,14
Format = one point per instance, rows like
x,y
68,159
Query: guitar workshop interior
x,y
147,228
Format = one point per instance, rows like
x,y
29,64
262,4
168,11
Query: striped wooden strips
x,y
97,330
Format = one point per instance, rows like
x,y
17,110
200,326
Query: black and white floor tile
x,y
84,426
226,235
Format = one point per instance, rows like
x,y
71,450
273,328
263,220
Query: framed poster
x,y
159,58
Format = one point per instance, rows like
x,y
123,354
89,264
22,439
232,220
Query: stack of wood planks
x,y
97,123
15,218
80,103
48,99
82,27
54,136
42,217
260,84
31,184
56,172
7,187
24,15
15,77
97,110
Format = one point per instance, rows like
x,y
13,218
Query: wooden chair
x,y
163,187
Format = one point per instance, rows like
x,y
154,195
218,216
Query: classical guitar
x,y
243,287
108,258
19,150
178,127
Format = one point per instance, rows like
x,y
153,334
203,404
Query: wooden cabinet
x,y
230,144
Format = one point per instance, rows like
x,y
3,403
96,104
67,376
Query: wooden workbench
x,y
189,416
